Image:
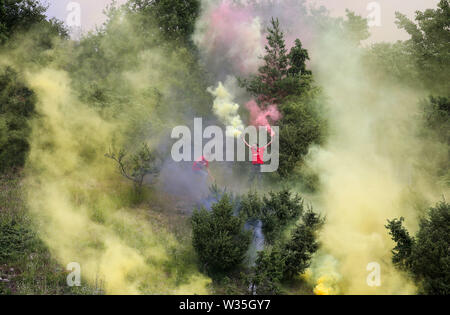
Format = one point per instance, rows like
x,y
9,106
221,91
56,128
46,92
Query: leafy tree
x,y
430,44
17,101
113,53
298,57
276,210
176,19
17,106
354,28
436,114
423,60
426,255
140,164
18,16
219,237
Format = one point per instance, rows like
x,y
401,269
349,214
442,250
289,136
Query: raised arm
x,y
243,139
272,135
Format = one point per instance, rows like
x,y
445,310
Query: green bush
x,y
17,105
219,237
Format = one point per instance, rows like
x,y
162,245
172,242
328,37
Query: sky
x,y
91,13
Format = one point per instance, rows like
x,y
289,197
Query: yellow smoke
x,y
226,110
80,204
323,275
371,170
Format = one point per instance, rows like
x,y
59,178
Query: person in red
x,y
201,165
258,152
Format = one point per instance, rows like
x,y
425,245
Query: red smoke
x,y
263,117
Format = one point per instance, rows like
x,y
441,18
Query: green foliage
x,y
19,15
279,209
15,239
423,60
17,105
287,259
298,57
283,73
298,251
285,80
127,42
355,28
268,272
301,126
25,261
140,164
251,206
425,257
437,117
176,19
17,101
430,44
276,210
219,238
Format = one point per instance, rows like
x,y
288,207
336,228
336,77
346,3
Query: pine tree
x,y
219,237
298,251
267,85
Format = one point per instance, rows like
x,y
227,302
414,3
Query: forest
x,y
361,132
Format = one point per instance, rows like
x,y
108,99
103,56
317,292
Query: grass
x,y
26,264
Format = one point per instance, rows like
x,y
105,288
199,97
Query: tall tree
x,y
285,80
282,73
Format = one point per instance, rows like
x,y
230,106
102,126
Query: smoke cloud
x,y
225,109
371,170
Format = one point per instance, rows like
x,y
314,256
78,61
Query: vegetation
x,y
290,241
159,33
26,264
218,237
287,259
17,106
285,80
425,256
276,210
141,164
